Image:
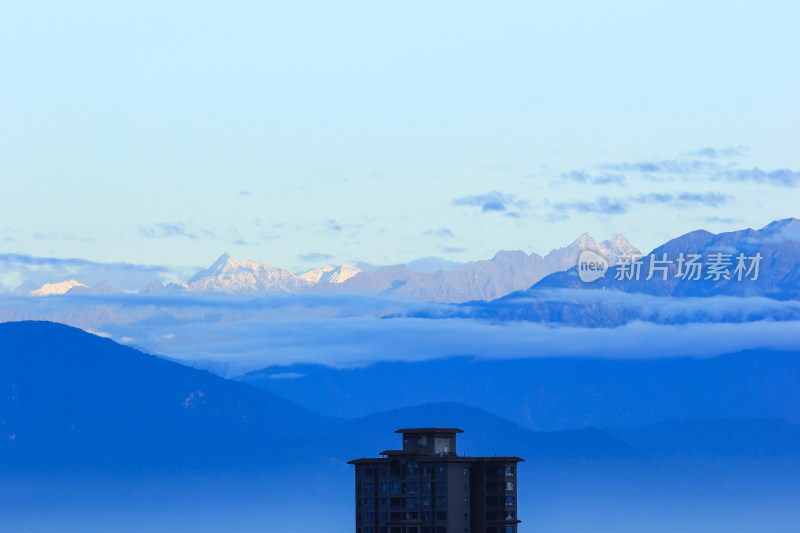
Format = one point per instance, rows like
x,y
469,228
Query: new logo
x,y
591,266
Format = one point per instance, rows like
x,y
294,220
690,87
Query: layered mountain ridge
x,y
488,279
777,247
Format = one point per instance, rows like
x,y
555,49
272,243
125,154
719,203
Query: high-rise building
x,y
428,488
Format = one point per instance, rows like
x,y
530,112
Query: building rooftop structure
x,y
426,487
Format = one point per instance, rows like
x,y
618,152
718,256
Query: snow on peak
x,y
313,276
330,274
619,245
585,241
341,273
62,287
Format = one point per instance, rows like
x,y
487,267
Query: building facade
x,y
428,488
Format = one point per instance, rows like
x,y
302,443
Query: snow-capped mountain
x,y
506,272
49,289
246,277
330,274
250,277
612,249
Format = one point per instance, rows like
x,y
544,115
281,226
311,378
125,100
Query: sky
x,y
307,133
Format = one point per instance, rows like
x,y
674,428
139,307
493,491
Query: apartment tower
x,y
428,488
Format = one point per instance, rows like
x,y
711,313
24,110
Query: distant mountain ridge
x,y
777,244
427,279
508,272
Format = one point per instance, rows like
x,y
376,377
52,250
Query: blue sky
x,y
307,132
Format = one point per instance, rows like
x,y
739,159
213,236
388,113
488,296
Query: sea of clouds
x,y
232,335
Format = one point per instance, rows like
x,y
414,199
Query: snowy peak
x,y
584,242
49,289
619,245
330,274
313,276
340,274
215,269
245,277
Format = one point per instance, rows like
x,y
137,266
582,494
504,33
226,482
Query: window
x,y
411,516
369,530
441,500
383,487
383,502
426,515
426,501
509,529
426,485
509,515
491,471
491,515
441,515
426,470
369,502
383,471
396,488
509,470
368,487
509,500
369,517
491,486
412,488
509,485
491,501
441,470
465,471
383,516
368,472
412,503
441,529
441,486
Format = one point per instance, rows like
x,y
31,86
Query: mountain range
x,y
96,436
777,245
428,279
71,398
668,297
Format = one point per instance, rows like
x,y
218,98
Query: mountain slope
x,y
484,434
778,244
68,395
506,272
49,289
558,393
245,277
